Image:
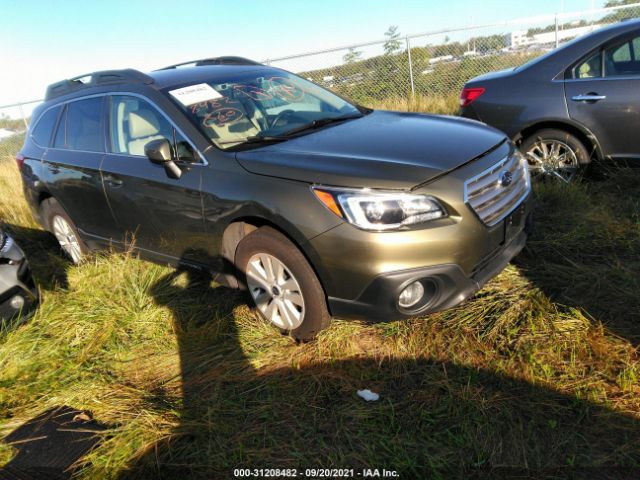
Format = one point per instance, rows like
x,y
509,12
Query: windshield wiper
x,y
321,122
256,139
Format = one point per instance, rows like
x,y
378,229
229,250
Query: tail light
x,y
20,160
469,95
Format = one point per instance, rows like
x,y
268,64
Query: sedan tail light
x,y
469,95
20,160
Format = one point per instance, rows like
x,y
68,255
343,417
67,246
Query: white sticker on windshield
x,y
195,94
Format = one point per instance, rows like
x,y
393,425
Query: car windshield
x,y
259,106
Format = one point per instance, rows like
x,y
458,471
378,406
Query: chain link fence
x,y
421,71
14,121
431,68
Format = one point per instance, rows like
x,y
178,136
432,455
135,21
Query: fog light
x,y
17,302
411,295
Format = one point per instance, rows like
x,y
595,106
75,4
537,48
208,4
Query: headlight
x,y
524,163
371,210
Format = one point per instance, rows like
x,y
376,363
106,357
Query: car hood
x,y
380,150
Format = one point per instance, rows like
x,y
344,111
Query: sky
x,y
43,41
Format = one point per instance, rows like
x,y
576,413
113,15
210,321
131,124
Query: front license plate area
x,y
514,224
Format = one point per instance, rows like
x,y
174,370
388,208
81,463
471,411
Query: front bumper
x,y
18,292
449,287
363,272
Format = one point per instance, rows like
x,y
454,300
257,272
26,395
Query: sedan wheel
x,y
67,238
276,291
553,158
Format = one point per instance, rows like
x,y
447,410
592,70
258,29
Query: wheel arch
x,y
240,227
41,197
587,138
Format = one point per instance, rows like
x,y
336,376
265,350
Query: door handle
x,y
113,182
589,97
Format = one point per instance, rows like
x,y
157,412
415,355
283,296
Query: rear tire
x,y
555,153
282,284
59,223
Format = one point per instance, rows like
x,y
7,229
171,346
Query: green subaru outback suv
x,y
318,207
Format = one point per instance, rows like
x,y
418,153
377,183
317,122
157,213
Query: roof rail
x,y
96,79
227,60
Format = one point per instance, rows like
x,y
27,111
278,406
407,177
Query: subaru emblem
x,y
506,178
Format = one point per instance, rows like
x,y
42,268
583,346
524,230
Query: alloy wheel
x,y
276,291
67,238
553,158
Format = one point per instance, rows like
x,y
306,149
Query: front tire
x,y
555,153
65,231
282,284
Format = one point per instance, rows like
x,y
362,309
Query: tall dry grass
x,y
443,105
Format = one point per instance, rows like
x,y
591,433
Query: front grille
x,y
494,193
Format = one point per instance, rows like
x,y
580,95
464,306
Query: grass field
x,y
536,376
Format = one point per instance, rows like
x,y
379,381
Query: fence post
x,y
24,119
413,90
556,22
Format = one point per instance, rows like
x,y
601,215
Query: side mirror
x,y
159,152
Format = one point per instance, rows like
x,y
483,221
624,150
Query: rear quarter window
x,y
590,68
43,128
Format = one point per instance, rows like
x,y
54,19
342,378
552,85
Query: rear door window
x,y
81,127
621,54
623,59
43,129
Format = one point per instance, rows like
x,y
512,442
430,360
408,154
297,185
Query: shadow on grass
x,y
433,420
49,445
585,248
